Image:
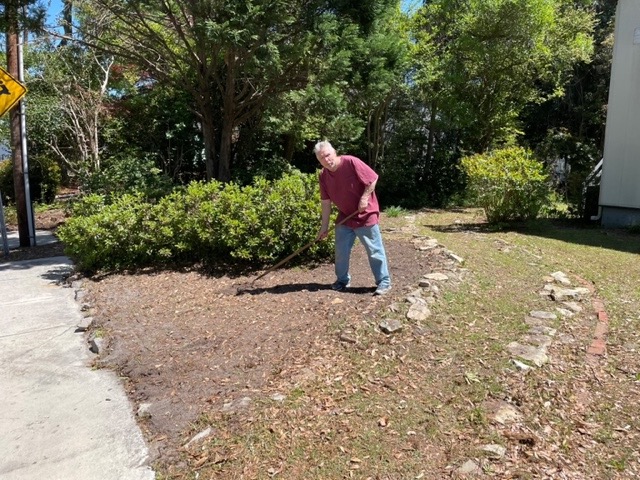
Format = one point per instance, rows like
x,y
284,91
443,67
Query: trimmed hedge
x,y
202,223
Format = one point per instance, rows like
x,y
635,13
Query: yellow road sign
x,y
11,91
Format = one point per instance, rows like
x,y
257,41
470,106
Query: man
x,y
349,183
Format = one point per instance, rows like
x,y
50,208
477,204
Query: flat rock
x,y
144,410
534,322
537,340
542,330
239,404
200,436
470,467
418,312
453,256
536,355
573,306
390,326
543,315
436,276
506,414
562,294
561,277
521,366
494,450
348,336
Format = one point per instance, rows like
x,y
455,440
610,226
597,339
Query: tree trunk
x,y
11,13
376,131
226,141
209,137
432,131
228,119
68,17
67,21
289,147
204,110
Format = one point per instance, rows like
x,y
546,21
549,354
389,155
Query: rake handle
x,y
299,251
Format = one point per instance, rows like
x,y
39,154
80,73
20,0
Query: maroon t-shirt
x,y
345,186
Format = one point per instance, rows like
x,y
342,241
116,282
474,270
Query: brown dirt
x,y
190,344
212,351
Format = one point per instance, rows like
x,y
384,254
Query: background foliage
x,y
149,102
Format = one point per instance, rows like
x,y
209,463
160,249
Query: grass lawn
x,y
422,403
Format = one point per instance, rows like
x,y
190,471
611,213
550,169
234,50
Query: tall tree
x,y
569,129
18,16
230,56
67,21
356,73
482,61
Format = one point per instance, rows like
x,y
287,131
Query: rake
x,y
294,254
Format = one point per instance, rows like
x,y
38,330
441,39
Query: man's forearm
x,y
326,215
369,190
364,199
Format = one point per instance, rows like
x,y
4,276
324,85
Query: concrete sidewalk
x,y
59,418
43,237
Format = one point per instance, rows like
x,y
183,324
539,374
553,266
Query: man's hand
x,y
322,234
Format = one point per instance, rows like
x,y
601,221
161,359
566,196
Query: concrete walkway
x,y
59,418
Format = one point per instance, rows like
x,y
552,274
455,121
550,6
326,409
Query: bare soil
x,y
287,379
190,344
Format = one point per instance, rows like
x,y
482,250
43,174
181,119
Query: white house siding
x,y
620,183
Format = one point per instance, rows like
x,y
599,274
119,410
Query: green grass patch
x,y
417,405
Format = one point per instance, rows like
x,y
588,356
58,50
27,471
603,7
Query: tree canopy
x,y
230,90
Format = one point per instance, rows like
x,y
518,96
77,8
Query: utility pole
x,y
20,170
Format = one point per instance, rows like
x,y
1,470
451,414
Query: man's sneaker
x,y
382,290
339,286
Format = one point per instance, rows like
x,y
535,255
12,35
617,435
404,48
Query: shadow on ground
x,y
576,232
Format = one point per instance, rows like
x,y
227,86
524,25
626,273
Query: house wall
x,y
620,183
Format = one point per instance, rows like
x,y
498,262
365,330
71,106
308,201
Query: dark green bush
x,y
508,183
112,238
203,222
129,174
45,178
6,181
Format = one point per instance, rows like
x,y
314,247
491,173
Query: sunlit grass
x,y
409,406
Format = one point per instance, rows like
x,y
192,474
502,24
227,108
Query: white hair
x,y
323,145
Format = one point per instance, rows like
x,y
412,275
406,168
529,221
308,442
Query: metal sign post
x,y
3,230
11,92
25,162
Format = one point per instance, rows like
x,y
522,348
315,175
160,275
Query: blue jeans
x,y
371,238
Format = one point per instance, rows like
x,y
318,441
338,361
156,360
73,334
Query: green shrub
x,y
129,174
556,207
111,238
6,181
87,205
45,178
267,220
508,183
203,222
